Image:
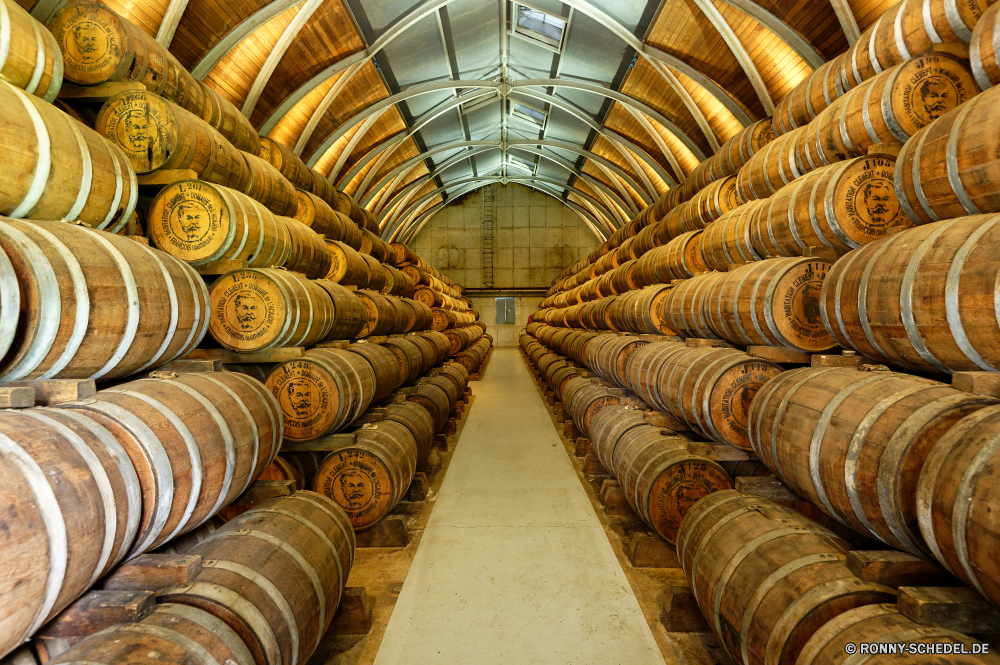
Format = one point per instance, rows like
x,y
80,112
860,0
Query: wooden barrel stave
x,y
266,184
418,421
390,372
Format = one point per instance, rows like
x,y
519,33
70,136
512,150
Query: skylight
x,y
521,164
528,113
539,26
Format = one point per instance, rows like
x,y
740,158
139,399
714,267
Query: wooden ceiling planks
x,y
234,75
867,12
779,66
648,86
205,23
682,30
365,89
593,170
326,38
290,128
814,20
621,121
659,184
389,124
602,148
720,118
144,14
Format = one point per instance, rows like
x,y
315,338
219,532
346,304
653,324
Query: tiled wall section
x,y
535,238
505,335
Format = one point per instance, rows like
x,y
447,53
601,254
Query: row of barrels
x,y
708,389
270,583
901,458
473,357
364,271
254,309
422,271
371,468
463,338
97,481
775,587
327,389
443,319
658,474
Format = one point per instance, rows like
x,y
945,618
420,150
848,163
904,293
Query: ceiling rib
x,y
171,19
325,105
842,8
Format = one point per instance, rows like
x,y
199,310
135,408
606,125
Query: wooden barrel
x,y
347,266
417,420
942,172
99,46
728,241
172,633
316,213
984,50
766,577
279,469
711,390
92,304
443,319
349,315
321,392
368,477
770,169
262,308
921,299
844,205
409,357
288,164
390,371
642,311
428,351
836,641
441,344
403,254
196,440
609,425
33,60
155,133
807,99
609,356
897,103
682,255
684,306
661,479
434,399
373,245
199,222
957,504
379,312
70,510
309,254
220,113
774,302
588,401
97,184
462,338
457,374
377,278
265,184
275,575
858,444
446,385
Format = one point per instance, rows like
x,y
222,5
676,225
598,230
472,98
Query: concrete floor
x,y
514,565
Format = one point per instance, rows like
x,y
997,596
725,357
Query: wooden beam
x,y
175,10
689,103
842,8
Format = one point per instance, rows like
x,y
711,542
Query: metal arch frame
x,y
385,195
668,154
845,15
423,217
171,19
390,101
238,34
325,105
415,15
402,196
792,38
627,101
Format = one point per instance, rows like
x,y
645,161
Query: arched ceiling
x,y
407,104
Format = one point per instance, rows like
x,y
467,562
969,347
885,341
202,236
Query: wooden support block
x,y
613,498
550,398
780,355
334,344
165,177
152,572
17,397
845,359
956,608
468,394
418,487
220,267
897,569
191,366
569,430
593,467
826,253
646,551
49,392
765,488
977,383
279,355
375,415
679,611
450,427
698,342
474,377
560,413
258,492
99,609
441,442
390,532
583,447
665,420
354,614
719,452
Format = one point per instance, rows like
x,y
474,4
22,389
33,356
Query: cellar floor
x,y
514,565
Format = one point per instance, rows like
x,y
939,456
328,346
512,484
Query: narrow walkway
x,y
514,566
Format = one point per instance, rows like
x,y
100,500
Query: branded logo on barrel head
x,y
800,302
680,487
934,89
190,219
135,124
303,398
355,482
245,310
89,43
